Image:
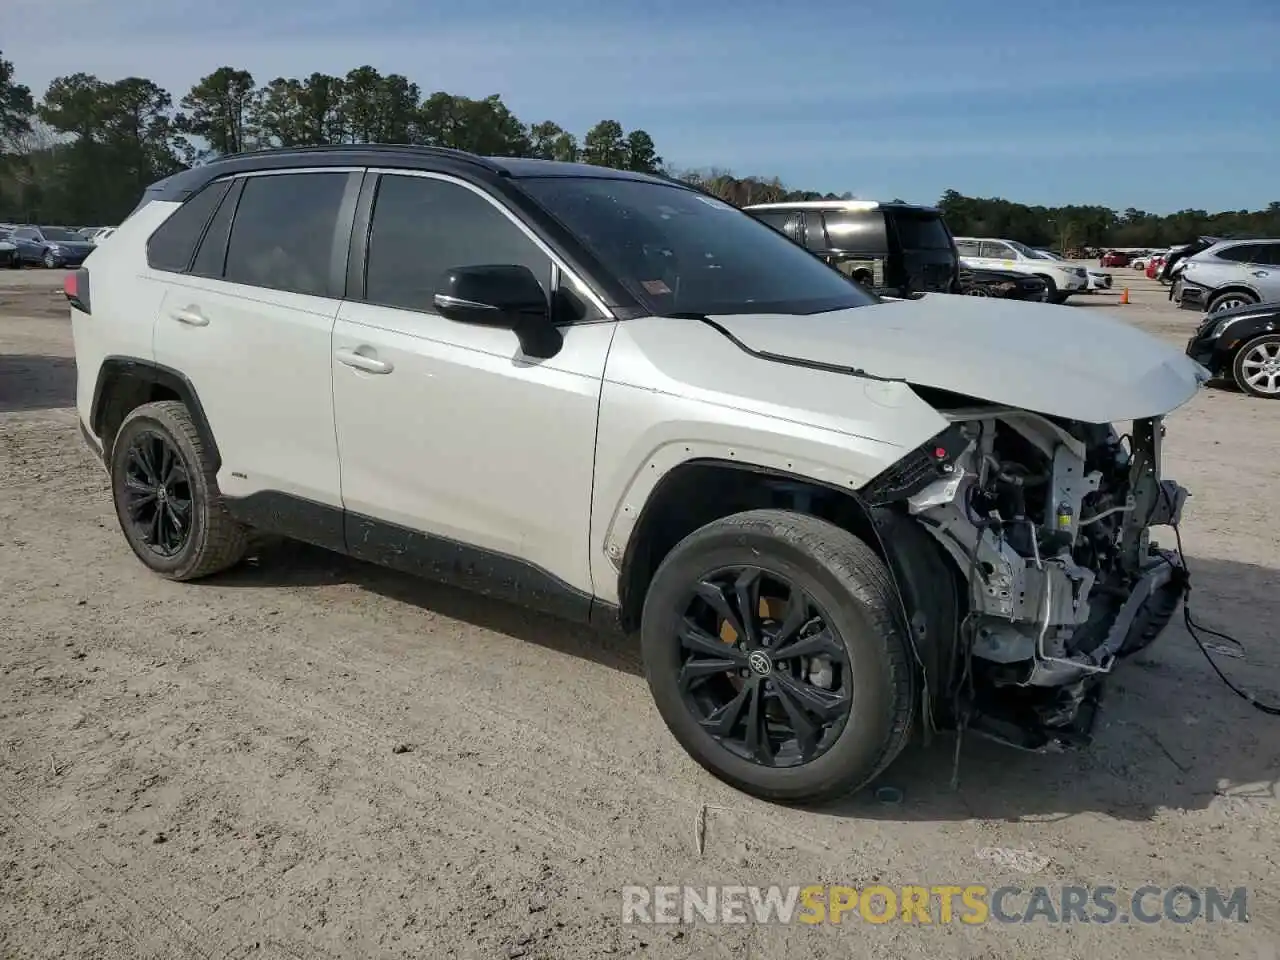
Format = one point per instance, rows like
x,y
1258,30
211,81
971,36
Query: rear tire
x,y
158,446
1230,300
847,587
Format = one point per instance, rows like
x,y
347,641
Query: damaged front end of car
x,y
1047,526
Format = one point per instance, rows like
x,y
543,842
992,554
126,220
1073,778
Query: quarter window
x,y
423,227
212,256
283,233
173,244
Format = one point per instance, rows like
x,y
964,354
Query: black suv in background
x,y
892,249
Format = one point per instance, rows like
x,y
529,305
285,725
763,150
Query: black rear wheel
x,y
166,495
776,657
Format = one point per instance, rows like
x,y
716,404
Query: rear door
x,y
249,321
928,251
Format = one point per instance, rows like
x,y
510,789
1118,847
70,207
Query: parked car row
x,y
48,246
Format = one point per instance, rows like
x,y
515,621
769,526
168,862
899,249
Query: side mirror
x,y
500,295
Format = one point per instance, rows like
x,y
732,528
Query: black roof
x,y
181,185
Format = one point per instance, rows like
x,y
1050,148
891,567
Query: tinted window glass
x,y
174,242
861,231
680,251
283,233
213,249
423,227
1270,254
921,231
787,222
1242,253
25,234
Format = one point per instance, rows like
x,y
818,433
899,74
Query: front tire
x,y
166,495
774,651
50,260
1256,367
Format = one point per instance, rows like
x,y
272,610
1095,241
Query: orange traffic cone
x,y
1124,295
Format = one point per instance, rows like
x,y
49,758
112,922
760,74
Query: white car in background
x,y
1098,279
984,253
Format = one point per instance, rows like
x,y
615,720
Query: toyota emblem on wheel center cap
x,y
760,663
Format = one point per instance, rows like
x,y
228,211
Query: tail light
x,y
76,287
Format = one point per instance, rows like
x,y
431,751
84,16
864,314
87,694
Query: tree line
x,y
83,152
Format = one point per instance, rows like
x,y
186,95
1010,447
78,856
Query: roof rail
x,y
460,155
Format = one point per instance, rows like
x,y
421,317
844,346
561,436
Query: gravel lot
x,y
311,757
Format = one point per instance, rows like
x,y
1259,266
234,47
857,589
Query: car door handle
x,y
191,316
1262,273
361,362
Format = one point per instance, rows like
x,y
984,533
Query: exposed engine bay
x,y
1048,521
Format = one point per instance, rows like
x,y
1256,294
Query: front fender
x,y
677,391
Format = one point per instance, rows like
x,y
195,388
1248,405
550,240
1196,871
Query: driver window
x,y
423,227
997,251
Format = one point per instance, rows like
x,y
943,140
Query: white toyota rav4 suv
x,y
1062,278
832,519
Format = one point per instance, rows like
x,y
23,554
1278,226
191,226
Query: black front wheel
x,y
776,657
166,495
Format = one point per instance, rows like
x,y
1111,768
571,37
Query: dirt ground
x,y
310,757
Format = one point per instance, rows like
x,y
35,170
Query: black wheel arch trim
x,y
116,368
907,574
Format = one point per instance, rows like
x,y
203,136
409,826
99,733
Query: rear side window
x,y
968,248
787,222
1269,254
174,242
283,233
1242,253
921,231
997,251
857,231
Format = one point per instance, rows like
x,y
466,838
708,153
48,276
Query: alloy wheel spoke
x,y
722,721
818,644
758,725
746,591
826,705
805,730
719,601
695,669
798,609
693,637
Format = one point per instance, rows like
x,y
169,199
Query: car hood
x,y
1055,360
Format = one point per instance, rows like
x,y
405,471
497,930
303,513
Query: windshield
x,y
57,233
1047,255
680,251
922,232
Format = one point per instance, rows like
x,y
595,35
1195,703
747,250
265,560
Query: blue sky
x,y
1161,106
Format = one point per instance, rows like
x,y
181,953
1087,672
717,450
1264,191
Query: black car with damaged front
x,y
1006,284
1241,346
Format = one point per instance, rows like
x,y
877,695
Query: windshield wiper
x,y
685,315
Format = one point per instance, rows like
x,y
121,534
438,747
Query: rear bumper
x,y
1192,296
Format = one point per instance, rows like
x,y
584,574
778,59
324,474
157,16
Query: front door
x,y
461,457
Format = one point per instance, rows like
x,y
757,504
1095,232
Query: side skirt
x,y
411,551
